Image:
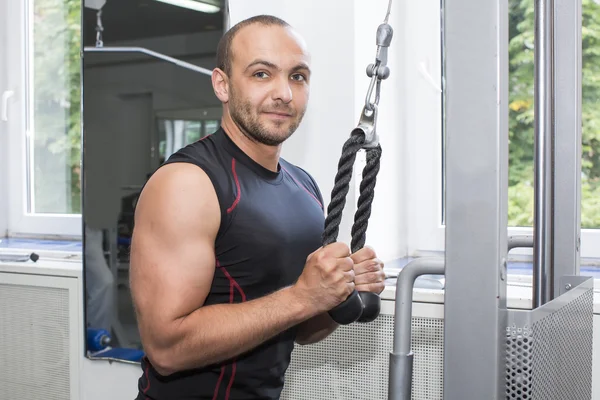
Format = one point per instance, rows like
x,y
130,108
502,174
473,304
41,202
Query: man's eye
x,y
298,77
261,75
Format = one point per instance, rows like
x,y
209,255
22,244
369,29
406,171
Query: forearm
x,y
220,332
316,329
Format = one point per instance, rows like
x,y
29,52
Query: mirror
x,y
137,110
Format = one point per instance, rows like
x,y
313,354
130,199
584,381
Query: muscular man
x,y
227,268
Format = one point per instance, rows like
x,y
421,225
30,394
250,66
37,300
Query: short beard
x,y
241,114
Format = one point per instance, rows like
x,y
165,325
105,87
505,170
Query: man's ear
x,y
220,82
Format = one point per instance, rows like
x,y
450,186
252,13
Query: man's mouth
x,y
278,114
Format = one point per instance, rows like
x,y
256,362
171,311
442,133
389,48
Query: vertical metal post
x,y
226,22
543,280
5,93
476,37
567,137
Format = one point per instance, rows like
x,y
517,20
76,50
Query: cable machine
x,y
491,352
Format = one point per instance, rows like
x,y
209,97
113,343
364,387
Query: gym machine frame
x,y
492,352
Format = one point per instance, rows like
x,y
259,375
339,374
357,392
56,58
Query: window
x,y
425,87
44,118
177,133
521,114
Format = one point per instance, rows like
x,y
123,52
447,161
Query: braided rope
x,y
367,194
341,188
353,307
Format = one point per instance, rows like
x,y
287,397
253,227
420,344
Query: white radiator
x,y
352,364
39,330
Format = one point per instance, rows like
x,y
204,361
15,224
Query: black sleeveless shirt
x,y
270,223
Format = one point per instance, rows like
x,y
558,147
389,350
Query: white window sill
x,y
519,293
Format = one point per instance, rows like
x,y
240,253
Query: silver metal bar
x,y
476,169
401,357
226,18
183,64
519,241
544,137
567,139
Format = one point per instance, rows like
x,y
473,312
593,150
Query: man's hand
x,y
368,271
368,277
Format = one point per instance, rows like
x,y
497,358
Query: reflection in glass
x,y
177,133
137,111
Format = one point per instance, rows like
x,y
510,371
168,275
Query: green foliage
x,y
56,106
521,122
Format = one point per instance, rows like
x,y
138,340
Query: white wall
x,y
388,224
341,48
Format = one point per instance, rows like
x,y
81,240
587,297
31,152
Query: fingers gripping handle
x,y
359,306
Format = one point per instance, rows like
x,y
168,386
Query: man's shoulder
x,y
303,176
207,158
204,149
297,171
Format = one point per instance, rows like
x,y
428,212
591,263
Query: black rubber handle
x,y
371,306
349,311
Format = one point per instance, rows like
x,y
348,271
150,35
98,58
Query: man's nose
x,y
282,90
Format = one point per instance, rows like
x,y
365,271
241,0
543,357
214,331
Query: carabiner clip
x,y
368,125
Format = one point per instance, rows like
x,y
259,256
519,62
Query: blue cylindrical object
x,y
97,339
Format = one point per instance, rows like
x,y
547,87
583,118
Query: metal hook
x,y
368,125
377,72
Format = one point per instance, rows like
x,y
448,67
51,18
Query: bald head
x,y
225,49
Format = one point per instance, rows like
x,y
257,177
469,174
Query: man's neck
x,y
267,156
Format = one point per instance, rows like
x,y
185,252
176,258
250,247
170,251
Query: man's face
x,y
268,83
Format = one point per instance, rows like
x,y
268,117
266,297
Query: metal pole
x,y
544,132
226,22
476,171
519,241
401,357
151,53
567,140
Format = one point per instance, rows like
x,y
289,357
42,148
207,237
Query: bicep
x,y
172,252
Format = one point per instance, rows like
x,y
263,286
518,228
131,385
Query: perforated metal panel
x,y
427,343
352,364
549,350
34,344
519,360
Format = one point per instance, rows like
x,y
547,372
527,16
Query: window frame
x,y
20,222
4,100
423,57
